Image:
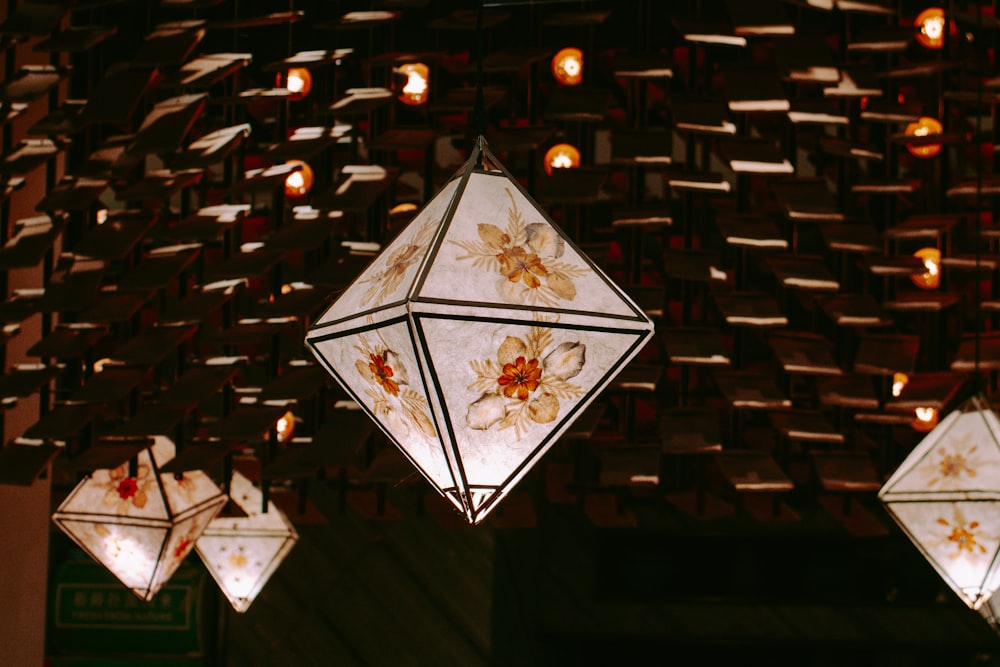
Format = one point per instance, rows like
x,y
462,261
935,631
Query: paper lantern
x,y
478,335
567,66
140,526
946,498
931,277
930,23
414,91
299,182
561,156
298,81
242,553
925,126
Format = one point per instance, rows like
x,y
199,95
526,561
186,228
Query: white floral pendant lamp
x,y
946,497
242,553
478,335
140,527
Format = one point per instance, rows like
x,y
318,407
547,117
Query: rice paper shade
x,y
140,527
242,553
478,335
946,498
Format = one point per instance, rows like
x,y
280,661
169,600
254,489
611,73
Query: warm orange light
x,y
567,66
285,426
899,381
405,207
298,183
931,23
298,81
925,419
417,83
102,216
931,278
561,156
100,364
923,127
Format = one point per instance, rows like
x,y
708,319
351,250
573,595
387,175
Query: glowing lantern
x,y
931,23
899,380
931,277
478,336
924,419
241,553
925,126
140,526
946,498
298,81
415,89
285,426
561,156
299,182
567,66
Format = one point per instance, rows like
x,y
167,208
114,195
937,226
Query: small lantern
x,y
567,66
931,23
140,524
478,336
931,277
299,182
561,156
242,553
415,89
946,498
924,419
925,126
298,81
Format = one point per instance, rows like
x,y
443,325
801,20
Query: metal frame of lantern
x,y
946,498
242,552
140,524
480,322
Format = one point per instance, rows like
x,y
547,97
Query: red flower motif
x,y
182,548
383,374
520,378
127,488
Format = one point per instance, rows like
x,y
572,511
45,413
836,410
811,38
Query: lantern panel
x,y
960,539
378,367
242,553
500,249
129,551
961,456
388,279
508,389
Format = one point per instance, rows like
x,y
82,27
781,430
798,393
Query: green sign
x,y
91,611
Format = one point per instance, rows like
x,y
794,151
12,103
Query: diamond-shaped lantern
x,y
478,335
140,526
946,497
243,552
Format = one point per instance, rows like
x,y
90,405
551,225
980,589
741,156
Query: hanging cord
x,y
479,117
978,387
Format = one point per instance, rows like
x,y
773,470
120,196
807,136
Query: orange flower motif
x,y
520,378
517,264
383,374
964,538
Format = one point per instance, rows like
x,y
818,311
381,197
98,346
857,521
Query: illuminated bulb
x,y
102,216
415,89
298,81
100,364
925,419
899,381
931,23
923,127
931,278
285,426
567,66
298,183
561,156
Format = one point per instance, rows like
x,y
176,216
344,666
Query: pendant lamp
x,y
140,524
478,335
946,498
242,553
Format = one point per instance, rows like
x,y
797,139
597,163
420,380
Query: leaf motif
x,y
486,411
510,349
422,422
543,240
561,286
566,361
364,370
543,409
493,237
399,373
